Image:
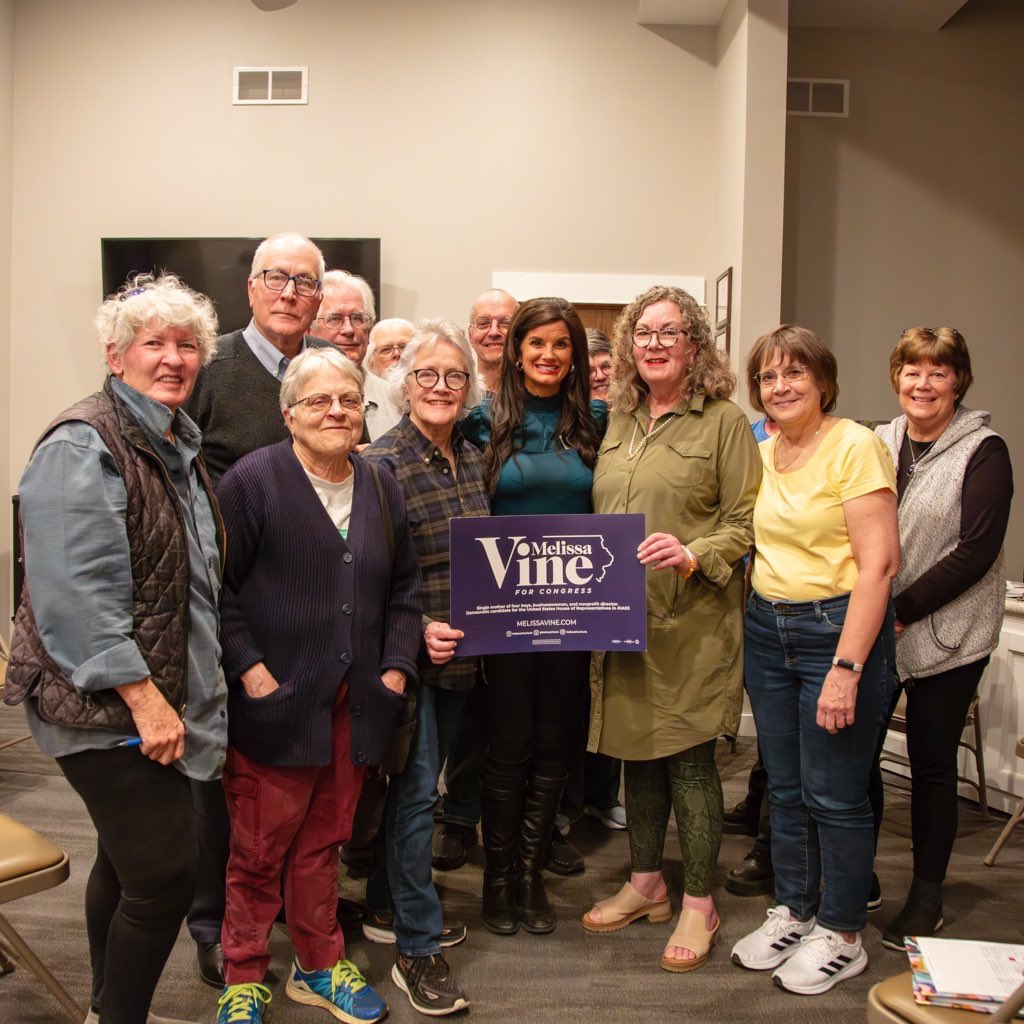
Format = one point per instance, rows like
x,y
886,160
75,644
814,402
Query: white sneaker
x,y
610,817
776,940
822,961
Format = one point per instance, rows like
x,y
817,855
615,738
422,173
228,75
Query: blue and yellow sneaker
x,y
242,1004
341,989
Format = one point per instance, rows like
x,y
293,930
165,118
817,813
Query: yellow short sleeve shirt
x,y
803,545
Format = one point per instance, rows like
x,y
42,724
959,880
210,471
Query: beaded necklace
x,y
634,448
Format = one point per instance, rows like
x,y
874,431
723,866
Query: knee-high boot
x,y
501,815
539,809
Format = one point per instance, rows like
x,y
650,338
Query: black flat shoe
x,y
913,919
563,858
751,877
740,821
211,963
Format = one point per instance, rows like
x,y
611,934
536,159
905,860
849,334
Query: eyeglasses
x,y
454,380
277,281
351,401
769,378
483,323
667,336
390,350
335,320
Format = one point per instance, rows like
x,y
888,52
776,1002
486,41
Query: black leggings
x,y
534,706
936,708
144,877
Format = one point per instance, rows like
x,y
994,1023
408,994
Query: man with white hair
x,y
388,340
346,314
235,401
489,317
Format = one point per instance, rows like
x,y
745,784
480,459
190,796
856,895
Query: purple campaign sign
x,y
548,583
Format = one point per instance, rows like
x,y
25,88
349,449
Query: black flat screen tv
x,y
218,267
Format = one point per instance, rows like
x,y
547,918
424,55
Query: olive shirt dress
x,y
695,477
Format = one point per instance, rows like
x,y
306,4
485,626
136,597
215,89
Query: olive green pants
x,y
688,784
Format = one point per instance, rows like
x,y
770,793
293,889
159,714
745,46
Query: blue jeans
x,y
402,879
817,783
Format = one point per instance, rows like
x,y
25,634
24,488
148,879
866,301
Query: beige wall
x,y
6,95
470,137
910,212
515,135
750,119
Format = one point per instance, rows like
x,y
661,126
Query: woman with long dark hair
x,y
541,434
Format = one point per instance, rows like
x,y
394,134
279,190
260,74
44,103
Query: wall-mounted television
x,y
218,267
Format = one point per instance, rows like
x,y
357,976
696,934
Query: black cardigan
x,y
315,608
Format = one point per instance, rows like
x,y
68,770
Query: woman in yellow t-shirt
x,y
818,659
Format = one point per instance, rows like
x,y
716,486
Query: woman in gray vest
x,y
115,650
954,483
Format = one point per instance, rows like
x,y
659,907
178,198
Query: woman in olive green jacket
x,y
677,450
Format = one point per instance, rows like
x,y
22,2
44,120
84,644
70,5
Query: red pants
x,y
286,826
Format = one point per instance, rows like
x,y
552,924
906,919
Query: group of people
x,y
257,525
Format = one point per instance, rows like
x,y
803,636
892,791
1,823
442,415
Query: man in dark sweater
x,y
236,402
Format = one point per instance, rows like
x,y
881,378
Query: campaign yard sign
x,y
543,583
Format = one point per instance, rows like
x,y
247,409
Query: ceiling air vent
x,y
269,85
818,97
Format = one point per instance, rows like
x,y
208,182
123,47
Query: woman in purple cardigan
x,y
321,624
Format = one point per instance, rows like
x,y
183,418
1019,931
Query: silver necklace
x,y
915,458
634,448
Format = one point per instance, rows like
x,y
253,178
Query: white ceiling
x,y
919,15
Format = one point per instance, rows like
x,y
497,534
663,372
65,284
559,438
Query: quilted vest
x,y
158,545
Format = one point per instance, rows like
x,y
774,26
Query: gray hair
x,y
391,323
165,299
597,341
343,279
261,251
307,364
428,336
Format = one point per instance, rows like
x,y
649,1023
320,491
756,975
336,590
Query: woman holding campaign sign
x,y
541,434
678,450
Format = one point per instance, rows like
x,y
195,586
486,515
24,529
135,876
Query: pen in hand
x,y
135,741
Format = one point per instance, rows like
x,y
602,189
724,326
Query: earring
x,y
572,369
519,366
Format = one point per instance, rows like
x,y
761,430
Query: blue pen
x,y
135,741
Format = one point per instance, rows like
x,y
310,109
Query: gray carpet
x,y
569,976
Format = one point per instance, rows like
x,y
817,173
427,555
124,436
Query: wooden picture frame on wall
x,y
722,338
723,301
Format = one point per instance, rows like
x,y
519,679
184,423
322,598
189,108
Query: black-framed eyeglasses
x,y
334,321
351,401
483,323
667,336
277,281
454,380
769,378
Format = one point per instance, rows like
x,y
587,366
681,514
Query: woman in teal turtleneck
x,y
541,434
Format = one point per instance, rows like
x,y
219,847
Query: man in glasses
x,y
236,402
236,398
489,318
346,314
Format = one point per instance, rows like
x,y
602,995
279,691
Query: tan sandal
x,y
691,933
625,907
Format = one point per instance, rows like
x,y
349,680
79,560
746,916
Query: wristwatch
x,y
844,663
